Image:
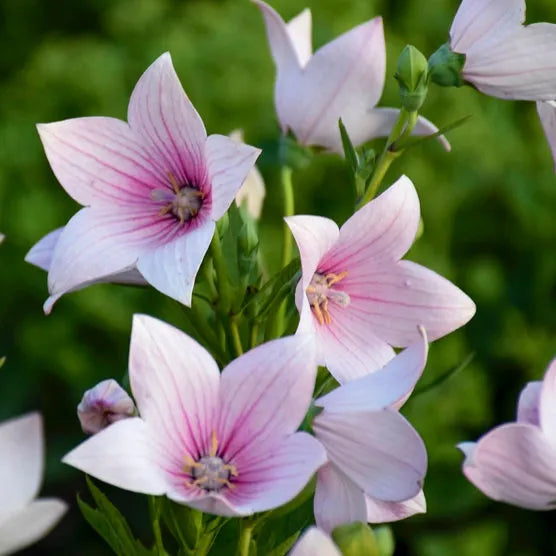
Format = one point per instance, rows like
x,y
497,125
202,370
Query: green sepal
x,y
412,77
385,540
445,67
355,539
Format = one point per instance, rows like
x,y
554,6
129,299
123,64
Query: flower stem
x,y
289,209
235,336
254,334
155,515
245,535
225,298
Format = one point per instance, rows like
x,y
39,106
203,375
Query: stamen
x,y
320,292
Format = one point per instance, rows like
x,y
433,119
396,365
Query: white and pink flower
x,y
516,462
343,79
315,542
357,299
225,444
152,188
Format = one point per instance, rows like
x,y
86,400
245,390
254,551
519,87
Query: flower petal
x,y
547,114
547,404
378,450
277,475
383,388
528,404
30,524
100,160
383,230
338,499
314,541
124,455
299,31
228,164
343,79
264,395
162,115
172,267
515,463
41,253
519,66
98,243
478,22
386,512
21,464
396,298
175,383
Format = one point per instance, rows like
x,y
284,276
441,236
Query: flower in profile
x,y
343,79
356,298
503,57
547,114
314,541
102,405
223,443
516,462
23,519
377,461
152,189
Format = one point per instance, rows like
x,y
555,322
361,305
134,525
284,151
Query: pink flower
x,y
315,542
516,462
356,298
225,444
24,520
343,79
503,57
547,114
152,189
103,405
377,461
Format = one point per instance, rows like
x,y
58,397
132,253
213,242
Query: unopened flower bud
x,y
412,77
354,539
103,405
445,67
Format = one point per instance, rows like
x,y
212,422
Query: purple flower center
x,y
184,202
320,292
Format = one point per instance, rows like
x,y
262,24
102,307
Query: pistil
x,y
184,202
320,292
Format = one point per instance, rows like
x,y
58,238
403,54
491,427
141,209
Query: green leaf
x,y
349,150
444,376
184,523
284,547
413,141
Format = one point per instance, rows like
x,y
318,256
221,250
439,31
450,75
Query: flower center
x,y
320,292
184,202
210,472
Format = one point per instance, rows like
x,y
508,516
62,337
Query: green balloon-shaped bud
x,y
355,539
445,67
412,76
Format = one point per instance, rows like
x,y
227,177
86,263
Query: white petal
x,y
299,31
314,542
41,253
547,404
386,512
528,404
547,114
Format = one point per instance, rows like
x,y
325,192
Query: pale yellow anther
x,y
320,291
333,278
173,182
213,444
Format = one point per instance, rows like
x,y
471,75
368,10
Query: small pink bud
x,y
103,405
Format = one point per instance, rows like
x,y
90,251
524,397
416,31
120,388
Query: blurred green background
x,y
489,211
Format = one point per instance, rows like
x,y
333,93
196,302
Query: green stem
x,y
289,209
208,271
399,143
235,336
245,537
155,514
254,334
225,300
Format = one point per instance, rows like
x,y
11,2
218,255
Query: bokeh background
x,y
489,212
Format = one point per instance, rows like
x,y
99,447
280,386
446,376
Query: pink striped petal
x,y
396,298
175,383
381,231
41,253
172,267
277,475
21,464
478,22
514,463
386,512
172,131
123,455
30,525
228,164
101,160
338,499
383,388
299,31
547,403
98,243
313,542
528,404
378,450
547,114
264,396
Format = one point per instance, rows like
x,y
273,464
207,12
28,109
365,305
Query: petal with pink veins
x,y
175,383
386,512
514,463
338,499
161,113
528,403
122,455
378,450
